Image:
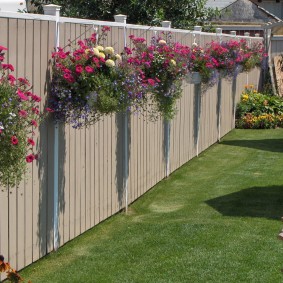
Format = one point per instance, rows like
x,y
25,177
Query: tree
x,y
182,13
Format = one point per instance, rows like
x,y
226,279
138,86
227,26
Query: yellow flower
x,y
101,55
100,48
87,51
245,97
110,63
109,50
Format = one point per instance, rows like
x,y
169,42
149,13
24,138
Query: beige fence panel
x,y
91,161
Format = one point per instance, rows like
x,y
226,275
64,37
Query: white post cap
x,y
197,28
51,10
256,34
166,24
218,30
246,34
233,32
120,18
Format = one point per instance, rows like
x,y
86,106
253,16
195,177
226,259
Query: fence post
x,y
167,124
54,10
219,90
233,32
123,19
197,91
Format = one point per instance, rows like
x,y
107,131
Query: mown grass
x,y
216,220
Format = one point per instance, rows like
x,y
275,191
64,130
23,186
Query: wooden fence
x,y
91,161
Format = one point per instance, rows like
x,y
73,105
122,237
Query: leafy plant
x,y
259,111
19,117
163,65
91,81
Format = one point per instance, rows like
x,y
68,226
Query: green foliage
x,y
183,13
259,111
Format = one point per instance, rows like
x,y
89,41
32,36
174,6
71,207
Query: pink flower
x,y
35,110
35,98
8,67
30,158
14,140
89,69
31,142
21,95
34,123
23,81
151,82
23,113
3,48
49,109
12,79
79,68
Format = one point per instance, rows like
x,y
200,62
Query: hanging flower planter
x,y
193,78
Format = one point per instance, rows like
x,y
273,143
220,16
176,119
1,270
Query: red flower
x,y
14,140
11,78
34,123
30,158
31,142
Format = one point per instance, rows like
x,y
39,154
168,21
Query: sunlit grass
x,y
214,220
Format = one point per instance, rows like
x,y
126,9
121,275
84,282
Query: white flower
x,y
100,48
1,126
110,63
95,52
109,50
118,57
161,41
12,114
173,62
101,55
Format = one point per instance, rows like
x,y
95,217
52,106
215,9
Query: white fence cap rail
x,y
28,16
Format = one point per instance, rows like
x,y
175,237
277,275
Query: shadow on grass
x,y
273,145
263,202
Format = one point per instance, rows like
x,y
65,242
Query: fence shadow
x,y
46,178
272,145
122,173
197,112
262,202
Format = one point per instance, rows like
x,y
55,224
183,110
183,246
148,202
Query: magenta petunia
x,y
30,158
14,140
34,123
79,68
31,142
21,95
89,69
23,113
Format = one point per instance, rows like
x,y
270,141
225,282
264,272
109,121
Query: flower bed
x,y
19,117
259,111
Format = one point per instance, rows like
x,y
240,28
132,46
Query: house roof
x,y
219,4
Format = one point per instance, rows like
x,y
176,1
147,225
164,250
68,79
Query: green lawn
x,y
214,220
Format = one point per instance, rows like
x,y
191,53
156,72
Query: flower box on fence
x,y
193,78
